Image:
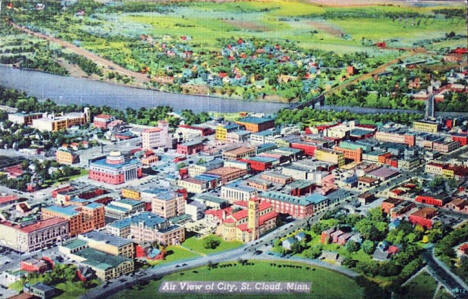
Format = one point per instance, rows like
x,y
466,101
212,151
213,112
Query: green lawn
x,y
196,244
443,294
175,253
325,283
422,286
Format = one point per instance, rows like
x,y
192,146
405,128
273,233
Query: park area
x,y
325,283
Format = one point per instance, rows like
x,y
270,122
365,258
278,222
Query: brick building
x,y
114,169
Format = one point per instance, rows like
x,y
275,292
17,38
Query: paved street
x,y
444,275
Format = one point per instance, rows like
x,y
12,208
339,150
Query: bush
x,y
211,242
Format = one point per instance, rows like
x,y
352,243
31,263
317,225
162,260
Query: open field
x,y
325,283
196,244
175,253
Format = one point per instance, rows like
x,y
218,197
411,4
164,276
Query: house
x,y
325,237
332,257
366,197
301,236
343,238
423,217
394,224
288,243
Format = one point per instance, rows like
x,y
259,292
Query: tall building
x,y
35,236
157,137
253,217
114,169
81,219
165,203
148,227
253,220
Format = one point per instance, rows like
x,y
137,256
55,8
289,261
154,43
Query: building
x,y
54,123
423,217
445,146
109,244
239,153
101,121
239,136
426,126
156,137
256,124
23,118
106,265
199,168
235,192
114,169
222,131
165,203
248,224
66,156
148,227
131,194
120,209
193,185
394,137
40,290
437,201
32,237
189,132
297,207
190,147
81,219
350,154
261,163
195,209
227,174
327,155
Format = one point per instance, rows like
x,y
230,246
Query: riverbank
x,y
82,91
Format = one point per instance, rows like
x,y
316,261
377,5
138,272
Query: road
x,y
444,275
246,251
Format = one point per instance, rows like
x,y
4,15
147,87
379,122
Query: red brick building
x,y
189,148
114,169
423,217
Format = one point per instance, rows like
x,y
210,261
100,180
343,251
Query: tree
x,y
352,246
313,252
210,242
368,246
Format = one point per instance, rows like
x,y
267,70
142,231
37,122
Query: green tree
x,y
211,242
368,246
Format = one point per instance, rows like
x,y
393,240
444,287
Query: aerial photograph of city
x,y
205,149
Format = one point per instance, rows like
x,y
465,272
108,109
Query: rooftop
x,y
101,260
255,120
105,238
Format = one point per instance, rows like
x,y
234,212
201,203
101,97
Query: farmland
x,y
270,51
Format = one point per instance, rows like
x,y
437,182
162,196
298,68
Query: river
x,y
70,90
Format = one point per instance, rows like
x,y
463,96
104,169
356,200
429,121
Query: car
x,y
177,266
184,265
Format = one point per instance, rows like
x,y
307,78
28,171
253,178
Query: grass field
x,y
301,22
422,286
175,253
196,244
325,283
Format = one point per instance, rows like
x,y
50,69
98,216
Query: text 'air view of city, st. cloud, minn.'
x,y
244,149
